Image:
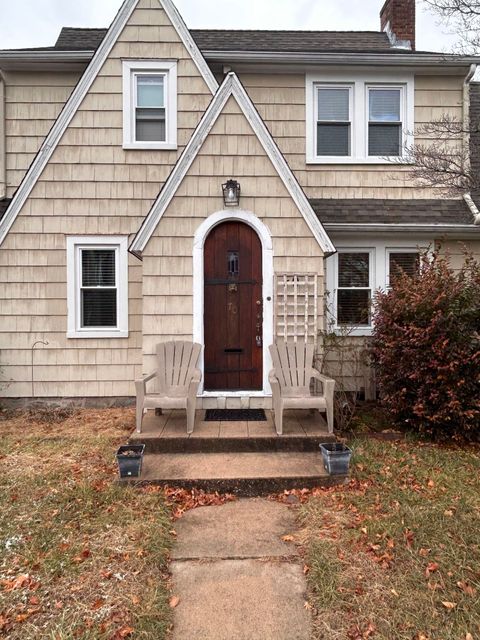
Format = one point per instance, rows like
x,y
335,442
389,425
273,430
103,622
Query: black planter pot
x,y
336,458
130,458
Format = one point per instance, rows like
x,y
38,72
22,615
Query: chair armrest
x,y
197,376
328,384
141,385
319,376
272,377
193,385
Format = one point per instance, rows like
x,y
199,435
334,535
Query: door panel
x,y
233,316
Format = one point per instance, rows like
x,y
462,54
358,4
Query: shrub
x,y
426,349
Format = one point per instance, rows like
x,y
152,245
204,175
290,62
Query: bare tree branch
x,y
463,17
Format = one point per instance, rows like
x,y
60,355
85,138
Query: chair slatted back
x,y
176,362
293,362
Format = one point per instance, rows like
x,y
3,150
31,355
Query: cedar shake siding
x,y
91,186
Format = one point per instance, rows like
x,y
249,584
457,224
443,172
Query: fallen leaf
x,y
469,636
98,604
449,605
174,600
431,568
124,632
466,588
288,538
306,569
448,512
307,605
424,552
135,600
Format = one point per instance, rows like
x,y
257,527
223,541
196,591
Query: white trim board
x,y
230,87
265,237
73,103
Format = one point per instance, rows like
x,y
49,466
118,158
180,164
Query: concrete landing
x,y
246,474
235,577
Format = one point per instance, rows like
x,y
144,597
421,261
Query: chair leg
x,y
278,413
191,417
330,419
139,417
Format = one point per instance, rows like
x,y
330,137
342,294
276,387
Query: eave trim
x,y
73,103
230,87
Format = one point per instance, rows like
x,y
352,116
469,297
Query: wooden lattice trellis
x,y
296,308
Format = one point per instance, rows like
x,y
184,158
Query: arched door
x,y
233,311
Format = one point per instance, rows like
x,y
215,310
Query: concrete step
x,y
226,444
244,474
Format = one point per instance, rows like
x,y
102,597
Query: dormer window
x,y
149,105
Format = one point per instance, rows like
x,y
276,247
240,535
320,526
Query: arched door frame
x,y
198,291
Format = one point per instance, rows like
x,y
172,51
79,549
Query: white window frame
x,y
403,115
380,249
131,70
75,244
332,85
360,83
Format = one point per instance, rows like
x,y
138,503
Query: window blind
x,y
354,293
385,127
150,114
98,293
408,263
333,126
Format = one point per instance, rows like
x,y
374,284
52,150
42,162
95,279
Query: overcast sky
x,y
36,23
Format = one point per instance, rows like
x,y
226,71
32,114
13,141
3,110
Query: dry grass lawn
x,y
80,556
395,555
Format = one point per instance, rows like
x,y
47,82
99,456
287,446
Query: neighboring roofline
x,y
44,55
351,58
73,103
397,227
230,87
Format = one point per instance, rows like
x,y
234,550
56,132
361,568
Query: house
x,y
158,182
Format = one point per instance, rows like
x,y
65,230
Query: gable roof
x,y
78,39
230,87
73,103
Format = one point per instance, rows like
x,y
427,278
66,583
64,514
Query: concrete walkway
x,y
236,578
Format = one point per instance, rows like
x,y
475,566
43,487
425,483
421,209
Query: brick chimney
x,y
397,18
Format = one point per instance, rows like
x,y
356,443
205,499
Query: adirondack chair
x,y
178,379
290,381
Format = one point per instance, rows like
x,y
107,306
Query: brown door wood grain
x,y
233,315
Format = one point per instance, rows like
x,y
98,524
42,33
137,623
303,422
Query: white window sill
x,y
152,146
349,332
97,334
350,160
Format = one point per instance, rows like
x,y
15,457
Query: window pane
x,y
98,267
150,91
333,104
408,263
333,139
353,308
384,140
353,269
150,125
99,308
384,105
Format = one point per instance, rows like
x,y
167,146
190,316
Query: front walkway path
x,y
236,578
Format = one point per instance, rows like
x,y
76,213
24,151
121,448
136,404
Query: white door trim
x,y
236,215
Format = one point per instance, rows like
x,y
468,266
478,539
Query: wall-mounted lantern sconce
x,y
231,193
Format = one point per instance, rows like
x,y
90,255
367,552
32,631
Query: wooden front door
x,y
233,313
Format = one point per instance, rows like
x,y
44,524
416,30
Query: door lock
x,y
258,340
259,302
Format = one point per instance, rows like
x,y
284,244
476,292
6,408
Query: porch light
x,y
231,193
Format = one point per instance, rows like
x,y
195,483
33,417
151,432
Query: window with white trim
x,y
334,115
357,271
354,288
354,118
149,105
385,121
97,287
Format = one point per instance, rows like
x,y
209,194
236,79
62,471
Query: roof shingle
x,y
77,39
378,211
